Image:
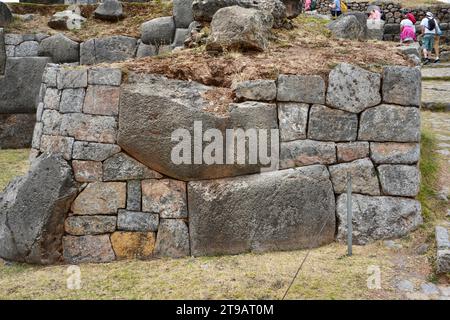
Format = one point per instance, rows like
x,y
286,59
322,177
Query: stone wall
x,y
355,121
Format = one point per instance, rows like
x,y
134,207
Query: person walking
x,y
430,29
407,30
336,8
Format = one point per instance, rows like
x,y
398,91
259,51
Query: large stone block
x,y
100,198
89,225
394,153
20,84
109,49
137,221
89,128
158,31
399,180
293,121
348,27
327,124
123,167
306,89
105,76
402,85
72,100
353,89
390,123
27,49
182,13
52,98
259,90
166,197
72,78
31,216
376,218
102,100
307,152
173,239
352,151
60,48
93,151
364,177
132,245
282,210
51,120
87,171
57,145
88,249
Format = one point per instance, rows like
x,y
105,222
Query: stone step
x,y
443,250
436,95
435,73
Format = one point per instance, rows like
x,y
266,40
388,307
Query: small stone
x,y
89,128
87,171
166,197
327,124
422,249
100,198
102,100
89,225
399,180
105,76
351,151
442,238
137,221
443,261
123,167
72,78
52,98
405,285
173,239
259,90
36,142
94,151
402,85
72,100
87,249
307,152
57,144
429,288
293,120
134,195
132,245
394,153
363,174
306,89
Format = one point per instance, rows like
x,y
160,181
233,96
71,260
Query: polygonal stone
x,y
133,245
94,151
72,78
109,49
158,31
72,100
89,225
51,120
89,128
102,100
100,198
352,151
258,90
52,98
402,85
105,76
137,221
27,49
399,180
60,48
293,120
87,171
306,152
87,249
172,239
306,89
37,133
134,195
123,167
57,145
395,153
166,197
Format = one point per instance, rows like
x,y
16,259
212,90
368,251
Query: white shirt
x,y
424,23
406,23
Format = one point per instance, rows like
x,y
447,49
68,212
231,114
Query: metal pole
x,y
349,215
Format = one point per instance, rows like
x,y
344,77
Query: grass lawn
x,y
13,163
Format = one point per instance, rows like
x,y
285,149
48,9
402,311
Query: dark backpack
x,y
431,24
313,5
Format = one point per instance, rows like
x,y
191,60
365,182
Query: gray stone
x,y
52,98
377,218
348,27
60,48
72,78
50,75
443,261
281,210
109,49
27,49
329,124
10,51
85,127
3,52
20,84
105,76
352,151
237,28
52,122
182,13
146,50
158,31
72,100
390,123
86,249
306,152
353,89
16,130
399,180
429,288
364,177
66,20
306,89
123,167
402,85
36,142
6,16
405,285
39,111
137,221
32,217
109,10
172,239
93,151
57,145
442,238
375,29
180,36
293,121
92,225
13,39
134,195
394,153
166,197
140,109
410,49
259,90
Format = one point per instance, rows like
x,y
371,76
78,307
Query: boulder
x,y
353,89
60,48
347,27
110,10
377,218
282,210
66,20
172,239
33,209
158,31
140,109
108,49
204,10
146,50
399,180
403,124
182,13
237,28
6,16
402,85
21,84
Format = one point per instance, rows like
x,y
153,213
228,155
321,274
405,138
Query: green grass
x,y
12,163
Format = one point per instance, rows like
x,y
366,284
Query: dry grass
x,y
12,163
136,14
